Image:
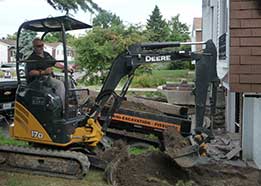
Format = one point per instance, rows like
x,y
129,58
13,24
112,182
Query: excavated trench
x,y
157,169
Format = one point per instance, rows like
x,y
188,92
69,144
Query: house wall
x,y
48,49
196,37
59,53
245,46
251,133
214,22
241,66
245,72
3,53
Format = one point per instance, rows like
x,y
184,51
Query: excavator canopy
x,y
54,24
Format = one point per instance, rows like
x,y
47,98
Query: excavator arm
x,y
147,53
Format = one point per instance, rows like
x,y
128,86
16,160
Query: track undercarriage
x,y
65,164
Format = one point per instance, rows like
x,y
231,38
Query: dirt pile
x,y
151,169
138,107
173,140
109,154
157,169
177,147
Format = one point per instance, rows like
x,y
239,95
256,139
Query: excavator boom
x,y
147,53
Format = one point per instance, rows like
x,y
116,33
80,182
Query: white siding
x,y
215,24
251,130
59,52
48,49
3,53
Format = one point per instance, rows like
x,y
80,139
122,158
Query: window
x,y
12,53
223,21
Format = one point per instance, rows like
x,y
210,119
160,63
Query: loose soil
x,y
138,107
157,169
177,147
109,154
173,140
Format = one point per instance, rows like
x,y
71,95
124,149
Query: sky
x,y
14,12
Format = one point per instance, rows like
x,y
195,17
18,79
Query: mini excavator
x,y
61,139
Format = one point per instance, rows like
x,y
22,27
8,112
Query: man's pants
x,y
59,88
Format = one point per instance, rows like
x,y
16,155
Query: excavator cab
x,y
39,114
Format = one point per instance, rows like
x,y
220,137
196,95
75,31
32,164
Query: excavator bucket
x,y
179,148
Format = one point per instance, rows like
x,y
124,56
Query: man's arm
x,y
61,66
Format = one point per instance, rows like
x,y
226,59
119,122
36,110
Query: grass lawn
x,y
94,178
174,75
9,141
160,77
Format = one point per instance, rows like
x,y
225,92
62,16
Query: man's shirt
x,y
42,63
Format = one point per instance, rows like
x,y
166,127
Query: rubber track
x,y
66,158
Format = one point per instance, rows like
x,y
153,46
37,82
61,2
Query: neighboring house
x,y
196,33
56,50
7,51
235,27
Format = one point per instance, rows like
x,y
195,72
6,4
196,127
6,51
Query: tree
x,y
99,48
26,39
57,37
66,5
107,19
12,36
157,28
178,31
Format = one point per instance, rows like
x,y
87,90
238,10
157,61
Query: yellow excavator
x,y
62,139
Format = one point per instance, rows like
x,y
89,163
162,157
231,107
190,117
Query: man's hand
x,y
41,72
47,71
70,69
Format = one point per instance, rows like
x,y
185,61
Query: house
x,y
196,33
7,51
235,27
56,50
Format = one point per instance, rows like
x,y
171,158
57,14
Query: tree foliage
x,y
12,36
100,47
66,5
26,39
107,19
57,37
110,37
178,31
157,28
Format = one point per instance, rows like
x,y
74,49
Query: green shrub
x,y
2,74
147,80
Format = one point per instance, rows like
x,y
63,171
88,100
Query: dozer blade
x,y
179,148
